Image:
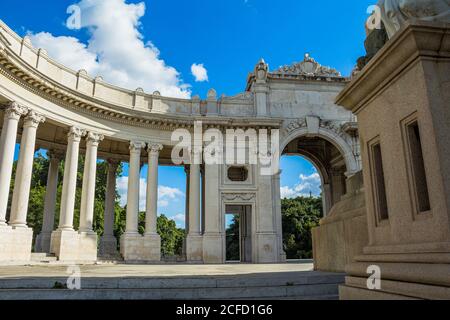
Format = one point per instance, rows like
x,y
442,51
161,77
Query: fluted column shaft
x,y
152,189
89,179
70,179
110,198
7,145
133,187
194,197
51,191
24,172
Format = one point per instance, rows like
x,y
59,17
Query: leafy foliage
x,y
171,236
233,240
299,216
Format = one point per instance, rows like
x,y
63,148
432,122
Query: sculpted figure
x,y
395,13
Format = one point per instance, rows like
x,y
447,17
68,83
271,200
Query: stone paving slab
x,y
180,281
178,270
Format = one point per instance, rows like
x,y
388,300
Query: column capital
x,y
136,146
76,133
113,164
33,119
94,138
15,110
55,154
154,148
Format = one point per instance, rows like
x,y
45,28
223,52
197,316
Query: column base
x,y
15,244
213,248
194,248
69,245
138,248
108,247
42,243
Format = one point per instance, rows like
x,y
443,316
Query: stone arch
x,y
330,136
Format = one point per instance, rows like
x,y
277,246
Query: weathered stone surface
x,y
406,82
396,13
343,234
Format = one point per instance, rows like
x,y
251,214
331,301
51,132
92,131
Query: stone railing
x,y
80,83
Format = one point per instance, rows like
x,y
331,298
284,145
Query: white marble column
x,y
43,239
110,198
278,215
133,187
194,239
214,234
24,172
152,189
194,200
70,179
89,179
108,243
8,139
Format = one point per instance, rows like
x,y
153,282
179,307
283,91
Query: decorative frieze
x,y
296,124
238,196
308,67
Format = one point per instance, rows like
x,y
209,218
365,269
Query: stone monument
x,y
402,100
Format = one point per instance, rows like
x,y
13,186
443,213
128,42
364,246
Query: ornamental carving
x,y
296,124
308,67
395,14
261,70
94,138
136,146
33,119
238,196
334,126
154,148
76,133
15,111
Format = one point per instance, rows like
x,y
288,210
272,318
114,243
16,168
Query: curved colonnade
x,y
46,105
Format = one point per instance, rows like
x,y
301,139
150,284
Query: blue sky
x,y
155,45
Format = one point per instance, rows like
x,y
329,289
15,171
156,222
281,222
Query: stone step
x,y
177,282
304,292
303,285
42,257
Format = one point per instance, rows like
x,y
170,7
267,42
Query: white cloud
x,y
165,194
169,193
199,72
179,217
307,184
116,49
122,188
163,203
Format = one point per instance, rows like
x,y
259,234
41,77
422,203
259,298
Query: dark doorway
x,y
238,233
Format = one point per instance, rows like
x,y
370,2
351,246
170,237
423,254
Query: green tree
x,y
233,240
299,216
171,236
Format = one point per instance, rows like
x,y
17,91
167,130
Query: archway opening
x,y
312,181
